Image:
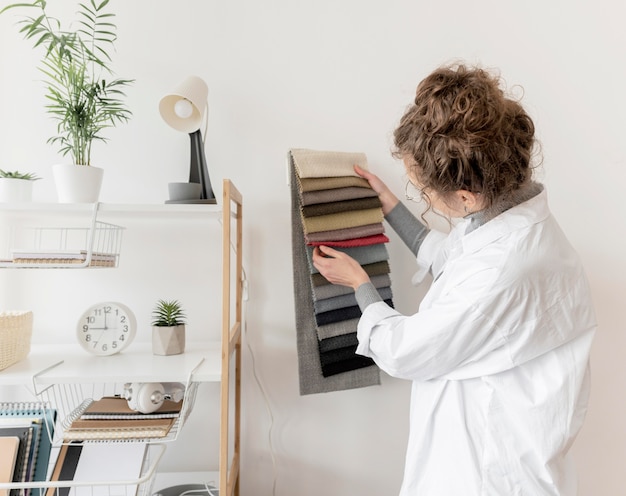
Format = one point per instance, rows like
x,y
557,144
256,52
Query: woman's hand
x,y
387,198
338,267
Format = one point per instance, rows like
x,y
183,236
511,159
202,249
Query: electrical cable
x,y
207,488
244,324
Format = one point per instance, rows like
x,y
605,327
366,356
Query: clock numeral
x,y
87,337
114,344
125,328
123,319
105,347
90,320
122,337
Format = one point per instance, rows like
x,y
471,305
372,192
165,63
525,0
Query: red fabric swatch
x,y
346,243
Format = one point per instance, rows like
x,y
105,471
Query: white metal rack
x,y
64,380
91,243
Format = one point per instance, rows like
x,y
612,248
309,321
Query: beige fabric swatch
x,y
314,163
308,184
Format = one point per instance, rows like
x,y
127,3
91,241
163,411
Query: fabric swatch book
x,y
332,205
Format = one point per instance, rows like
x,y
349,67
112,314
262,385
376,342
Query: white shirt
x,y
498,354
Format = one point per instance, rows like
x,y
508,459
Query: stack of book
x,y
26,432
111,418
64,257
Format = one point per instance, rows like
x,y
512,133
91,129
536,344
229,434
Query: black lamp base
x,y
198,170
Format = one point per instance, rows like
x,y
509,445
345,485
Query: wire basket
x,y
70,247
16,328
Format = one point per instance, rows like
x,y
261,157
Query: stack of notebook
x,y
336,208
111,418
26,433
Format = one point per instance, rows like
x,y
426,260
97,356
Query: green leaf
x,y
79,98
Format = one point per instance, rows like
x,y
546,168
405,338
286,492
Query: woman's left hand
x,y
339,268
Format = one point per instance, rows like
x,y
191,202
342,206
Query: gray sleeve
x,y
366,294
411,231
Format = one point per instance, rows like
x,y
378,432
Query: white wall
x,y
337,75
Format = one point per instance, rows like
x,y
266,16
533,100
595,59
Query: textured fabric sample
x,y
311,377
343,234
337,355
340,314
365,255
376,239
315,163
342,220
335,207
345,313
348,300
327,183
354,363
337,342
372,269
332,290
338,194
336,329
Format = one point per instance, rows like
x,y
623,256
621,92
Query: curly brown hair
x,y
463,132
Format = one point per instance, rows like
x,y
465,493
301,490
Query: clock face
x,y
106,328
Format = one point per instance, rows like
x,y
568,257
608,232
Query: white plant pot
x,y
77,183
184,191
15,190
168,340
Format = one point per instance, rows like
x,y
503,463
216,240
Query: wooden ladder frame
x,y
231,338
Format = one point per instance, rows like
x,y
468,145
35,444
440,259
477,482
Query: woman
x,y
498,351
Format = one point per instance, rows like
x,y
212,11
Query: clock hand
x,y
103,329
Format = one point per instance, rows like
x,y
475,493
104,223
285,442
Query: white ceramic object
x,y
77,183
15,190
184,191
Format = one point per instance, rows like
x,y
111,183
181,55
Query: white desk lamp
x,y
184,110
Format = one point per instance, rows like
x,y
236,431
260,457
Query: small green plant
x,y
81,97
29,176
168,314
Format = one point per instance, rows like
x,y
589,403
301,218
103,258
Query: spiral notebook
x,y
37,423
115,407
85,430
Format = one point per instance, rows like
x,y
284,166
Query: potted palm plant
x,y
16,186
80,96
168,328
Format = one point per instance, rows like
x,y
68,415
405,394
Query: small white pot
x,y
168,340
15,190
77,183
184,191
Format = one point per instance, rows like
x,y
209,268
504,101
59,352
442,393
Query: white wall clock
x,y
106,328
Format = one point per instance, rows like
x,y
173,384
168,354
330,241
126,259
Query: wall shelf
x,y
58,364
50,368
